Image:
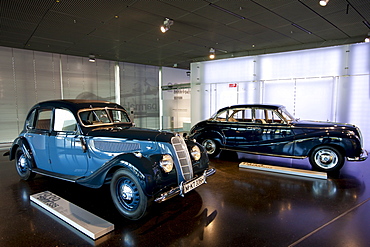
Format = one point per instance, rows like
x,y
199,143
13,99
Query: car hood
x,y
320,124
132,133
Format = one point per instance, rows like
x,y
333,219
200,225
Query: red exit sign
x,y
233,85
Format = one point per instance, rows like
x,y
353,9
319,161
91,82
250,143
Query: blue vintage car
x,y
271,130
94,142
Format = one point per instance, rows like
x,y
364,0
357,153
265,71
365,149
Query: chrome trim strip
x,y
266,154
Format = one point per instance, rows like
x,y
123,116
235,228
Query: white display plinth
x,y
84,221
284,170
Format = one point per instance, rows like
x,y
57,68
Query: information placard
x,y
284,170
84,221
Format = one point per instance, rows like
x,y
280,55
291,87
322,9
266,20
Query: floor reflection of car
x,y
94,142
271,130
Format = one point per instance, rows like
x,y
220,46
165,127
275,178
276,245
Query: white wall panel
x,y
26,77
8,97
358,110
298,64
140,93
315,99
359,59
176,103
281,92
226,70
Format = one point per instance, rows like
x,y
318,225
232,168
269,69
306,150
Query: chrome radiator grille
x,y
183,157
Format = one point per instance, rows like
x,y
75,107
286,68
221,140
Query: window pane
x,y
221,116
43,120
64,121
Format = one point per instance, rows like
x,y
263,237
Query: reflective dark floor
x,y
238,207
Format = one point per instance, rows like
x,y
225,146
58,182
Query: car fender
x,y
139,165
304,147
18,142
212,134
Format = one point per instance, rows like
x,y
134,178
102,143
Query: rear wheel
x,y
212,147
24,164
326,158
127,195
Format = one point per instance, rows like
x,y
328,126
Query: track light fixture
x,y
323,2
212,53
92,58
166,25
367,39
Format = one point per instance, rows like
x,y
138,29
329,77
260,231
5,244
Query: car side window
x,y
43,119
266,116
64,121
261,116
241,115
222,116
274,118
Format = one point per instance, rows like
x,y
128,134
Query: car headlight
x,y
195,153
166,163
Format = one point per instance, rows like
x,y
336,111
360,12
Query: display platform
x,y
84,221
284,170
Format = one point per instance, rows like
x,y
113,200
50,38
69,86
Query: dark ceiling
x,y
128,30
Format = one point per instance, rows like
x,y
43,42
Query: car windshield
x,y
103,116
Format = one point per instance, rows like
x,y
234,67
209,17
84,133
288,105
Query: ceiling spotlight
x,y
212,53
92,58
323,2
166,25
367,39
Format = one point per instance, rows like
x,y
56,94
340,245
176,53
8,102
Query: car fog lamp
x,y
166,163
195,153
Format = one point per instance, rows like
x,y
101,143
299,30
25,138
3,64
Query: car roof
x,y
266,106
77,104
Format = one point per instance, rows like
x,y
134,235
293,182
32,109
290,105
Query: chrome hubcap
x,y
22,163
210,146
326,158
127,192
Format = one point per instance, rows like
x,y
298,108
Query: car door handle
x,y
83,144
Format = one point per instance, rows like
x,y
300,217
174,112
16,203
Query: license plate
x,y
194,184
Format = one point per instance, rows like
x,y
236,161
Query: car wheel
x,y
23,165
127,195
326,158
212,147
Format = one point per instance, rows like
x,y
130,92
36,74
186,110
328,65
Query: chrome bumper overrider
x,y
179,190
362,157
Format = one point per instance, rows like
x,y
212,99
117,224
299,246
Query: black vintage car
x,y
271,130
94,142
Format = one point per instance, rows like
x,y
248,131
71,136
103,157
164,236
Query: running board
x,y
68,178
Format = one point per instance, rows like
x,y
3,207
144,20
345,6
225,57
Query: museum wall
x,y
28,77
176,101
139,91
328,84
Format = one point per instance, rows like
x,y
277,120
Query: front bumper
x,y
362,157
180,189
